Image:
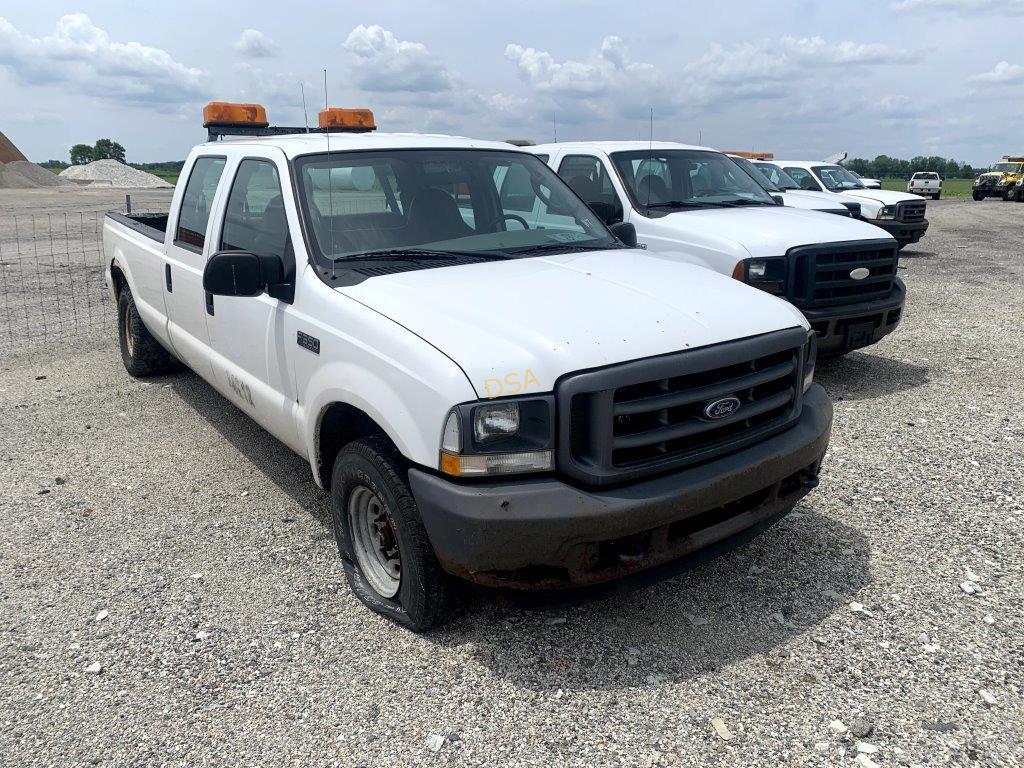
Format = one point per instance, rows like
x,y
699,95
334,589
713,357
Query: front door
x,y
248,335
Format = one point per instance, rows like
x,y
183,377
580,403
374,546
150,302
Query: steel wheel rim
x,y
374,542
126,330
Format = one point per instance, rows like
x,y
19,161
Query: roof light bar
x,y
223,118
751,155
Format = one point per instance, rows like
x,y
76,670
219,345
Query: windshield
x,y
686,178
776,176
836,178
1007,167
756,175
357,204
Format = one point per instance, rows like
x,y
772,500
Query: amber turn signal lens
x,y
335,117
227,113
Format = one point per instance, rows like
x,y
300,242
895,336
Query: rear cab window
x,y
196,202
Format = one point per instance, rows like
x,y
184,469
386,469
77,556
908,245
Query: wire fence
x,y
51,279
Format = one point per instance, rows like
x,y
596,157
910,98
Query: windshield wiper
x,y
563,247
741,202
421,253
677,204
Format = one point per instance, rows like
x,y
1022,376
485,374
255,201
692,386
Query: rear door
x,y
184,260
250,335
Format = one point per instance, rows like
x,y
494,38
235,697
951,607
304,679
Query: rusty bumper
x,y
543,533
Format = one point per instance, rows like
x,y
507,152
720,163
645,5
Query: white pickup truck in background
x,y
695,204
925,183
777,184
491,385
899,214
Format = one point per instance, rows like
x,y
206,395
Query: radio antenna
x,y
554,125
305,115
650,157
330,182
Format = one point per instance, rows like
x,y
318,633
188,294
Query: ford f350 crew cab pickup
x,y
697,205
789,191
522,402
899,214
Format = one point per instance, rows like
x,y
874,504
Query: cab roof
x,y
616,146
297,144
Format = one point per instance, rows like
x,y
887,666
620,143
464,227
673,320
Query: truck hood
x,y
767,230
516,326
810,201
881,196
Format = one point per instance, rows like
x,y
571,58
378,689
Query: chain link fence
x,y
51,278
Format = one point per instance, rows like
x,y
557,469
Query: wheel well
x,y
118,278
340,424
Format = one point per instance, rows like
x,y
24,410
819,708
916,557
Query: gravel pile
x,y
115,174
22,174
171,592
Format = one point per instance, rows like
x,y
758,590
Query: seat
x,y
270,233
434,215
652,189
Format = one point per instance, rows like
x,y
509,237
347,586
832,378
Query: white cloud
x,y
962,7
1004,73
255,45
82,55
385,63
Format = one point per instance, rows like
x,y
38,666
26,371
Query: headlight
x,y
810,358
501,437
887,212
767,274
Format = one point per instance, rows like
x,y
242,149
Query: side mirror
x,y
779,199
240,273
625,232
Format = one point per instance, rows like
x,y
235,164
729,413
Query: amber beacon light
x,y
228,113
336,117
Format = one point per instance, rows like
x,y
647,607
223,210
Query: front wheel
x,y
977,196
384,547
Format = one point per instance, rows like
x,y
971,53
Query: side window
x,y
804,178
255,219
589,179
194,215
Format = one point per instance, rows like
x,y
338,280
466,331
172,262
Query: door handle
x,y
167,277
209,303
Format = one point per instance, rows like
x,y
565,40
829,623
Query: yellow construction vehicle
x,y
1000,180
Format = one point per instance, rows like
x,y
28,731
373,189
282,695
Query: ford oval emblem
x,y
860,273
724,406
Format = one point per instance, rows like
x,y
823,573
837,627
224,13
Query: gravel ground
x,y
154,531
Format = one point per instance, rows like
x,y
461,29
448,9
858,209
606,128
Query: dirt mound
x,y
21,174
8,152
114,174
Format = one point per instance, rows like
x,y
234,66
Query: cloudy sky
x,y
800,77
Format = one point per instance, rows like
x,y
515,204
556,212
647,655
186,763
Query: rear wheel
x,y
384,547
936,196
141,354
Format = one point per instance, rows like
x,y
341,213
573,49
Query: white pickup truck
x,y
926,183
899,214
697,205
521,403
779,185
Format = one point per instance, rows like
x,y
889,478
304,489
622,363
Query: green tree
x,y
81,154
106,149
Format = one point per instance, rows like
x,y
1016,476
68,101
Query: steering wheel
x,y
506,216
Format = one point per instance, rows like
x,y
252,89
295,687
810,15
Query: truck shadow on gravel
x,y
750,602
867,375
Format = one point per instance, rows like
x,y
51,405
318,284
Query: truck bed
x,y
152,225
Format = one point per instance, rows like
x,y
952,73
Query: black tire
x,y
426,595
936,196
976,196
1008,196
141,354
